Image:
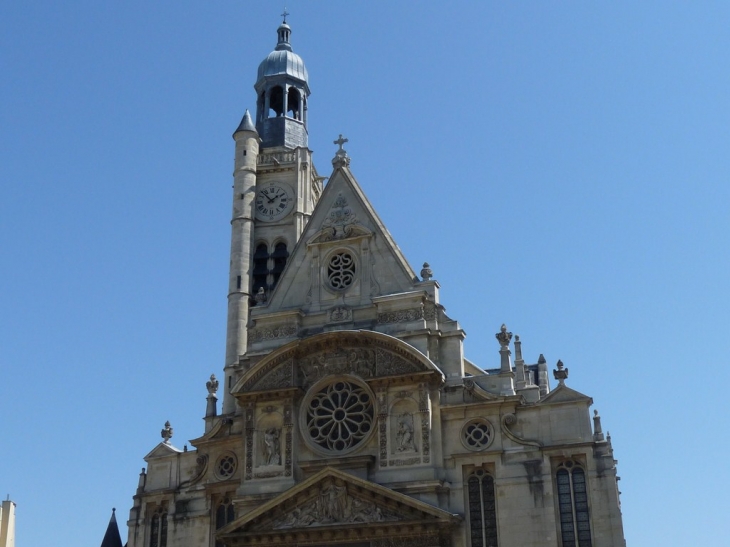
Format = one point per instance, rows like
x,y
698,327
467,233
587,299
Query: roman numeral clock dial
x,y
273,202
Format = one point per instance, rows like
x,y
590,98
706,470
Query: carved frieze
x,y
264,334
400,316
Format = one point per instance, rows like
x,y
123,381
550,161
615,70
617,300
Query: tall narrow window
x,y
158,528
482,509
260,267
223,515
575,527
279,257
268,267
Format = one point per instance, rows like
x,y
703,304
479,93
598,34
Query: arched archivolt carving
x,y
372,356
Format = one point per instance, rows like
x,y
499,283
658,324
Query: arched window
x,y
482,509
276,101
575,526
224,514
158,528
292,102
268,267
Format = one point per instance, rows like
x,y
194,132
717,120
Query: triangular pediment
x,y
345,223
162,450
342,505
564,394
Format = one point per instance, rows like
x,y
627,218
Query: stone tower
x,y
275,189
351,417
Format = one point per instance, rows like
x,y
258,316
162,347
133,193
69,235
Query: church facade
x,y
350,416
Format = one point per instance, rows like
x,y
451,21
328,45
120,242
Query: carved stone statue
x,y
404,437
272,450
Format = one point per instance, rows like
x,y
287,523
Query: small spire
x,y
246,124
341,158
112,537
541,360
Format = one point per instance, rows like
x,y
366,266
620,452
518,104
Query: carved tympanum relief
x,y
334,505
306,365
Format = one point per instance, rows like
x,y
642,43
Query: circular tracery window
x,y
477,434
226,466
339,416
341,270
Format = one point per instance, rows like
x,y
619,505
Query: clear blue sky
x,y
563,167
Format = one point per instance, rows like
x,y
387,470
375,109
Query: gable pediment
x,y
336,505
343,224
564,394
366,354
162,450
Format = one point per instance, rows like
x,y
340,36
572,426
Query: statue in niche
x,y
272,450
404,441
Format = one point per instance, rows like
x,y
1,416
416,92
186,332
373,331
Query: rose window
x,y
226,466
341,271
477,434
339,416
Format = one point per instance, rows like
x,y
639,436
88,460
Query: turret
x,y
239,278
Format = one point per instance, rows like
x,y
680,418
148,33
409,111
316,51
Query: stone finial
x,y
503,336
260,296
341,158
426,272
518,348
212,385
560,373
541,360
597,429
166,432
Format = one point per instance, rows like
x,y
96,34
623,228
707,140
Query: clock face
x,y
273,202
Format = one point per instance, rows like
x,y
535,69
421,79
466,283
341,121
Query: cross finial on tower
x,y
341,158
285,14
340,142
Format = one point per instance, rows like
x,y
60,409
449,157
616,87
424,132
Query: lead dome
x,y
283,61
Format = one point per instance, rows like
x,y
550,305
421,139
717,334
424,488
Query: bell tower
x,y
275,189
282,91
